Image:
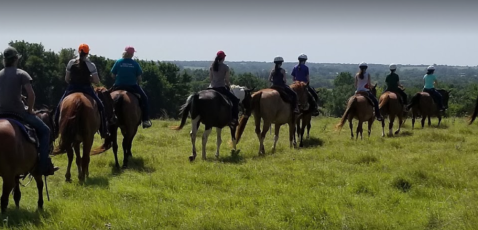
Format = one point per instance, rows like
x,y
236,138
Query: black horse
x,y
213,109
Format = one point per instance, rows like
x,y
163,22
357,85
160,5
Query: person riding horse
x,y
362,84
127,75
80,73
12,80
279,80
219,77
300,72
429,81
393,85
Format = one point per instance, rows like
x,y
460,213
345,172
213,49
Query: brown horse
x,y
127,110
475,113
268,105
305,118
79,121
18,158
389,104
360,108
422,104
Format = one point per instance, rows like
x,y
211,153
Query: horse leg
x,y
423,121
86,157
218,141
205,135
359,130
127,145
265,128
390,124
114,136
194,130
292,133
8,184
276,137
39,182
429,121
400,121
302,131
17,194
308,130
439,119
69,153
351,126
413,121
383,127
370,124
76,147
299,136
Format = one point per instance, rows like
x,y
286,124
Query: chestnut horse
x,y
268,105
19,157
360,108
79,121
127,110
389,104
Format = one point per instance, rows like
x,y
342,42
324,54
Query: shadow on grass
x,y
18,218
233,158
99,181
312,142
134,163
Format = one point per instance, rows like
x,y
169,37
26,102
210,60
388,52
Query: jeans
x,y
143,102
375,103
43,133
233,98
87,90
437,97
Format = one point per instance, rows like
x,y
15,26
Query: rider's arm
x,y
94,72
355,84
369,82
67,73
227,78
285,76
31,96
307,73
270,76
293,74
139,73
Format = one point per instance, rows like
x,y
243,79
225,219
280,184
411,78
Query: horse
x,y
389,104
475,113
19,156
360,107
212,109
422,104
305,118
128,111
78,123
267,104
240,92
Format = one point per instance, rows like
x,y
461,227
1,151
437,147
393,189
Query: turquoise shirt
x,y
127,70
429,79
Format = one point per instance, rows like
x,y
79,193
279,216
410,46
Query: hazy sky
x,y
400,31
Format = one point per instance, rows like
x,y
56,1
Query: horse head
x,y
46,115
373,90
302,94
108,103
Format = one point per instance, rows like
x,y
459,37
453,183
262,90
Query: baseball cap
x,y
129,49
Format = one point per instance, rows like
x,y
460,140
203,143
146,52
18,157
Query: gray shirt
x,y
12,80
219,77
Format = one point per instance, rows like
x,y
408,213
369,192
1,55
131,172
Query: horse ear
x,y
375,85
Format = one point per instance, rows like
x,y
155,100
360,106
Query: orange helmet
x,y
84,47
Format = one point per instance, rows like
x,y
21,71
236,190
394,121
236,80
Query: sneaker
x,y
51,170
147,124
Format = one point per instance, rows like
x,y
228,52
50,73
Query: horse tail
x,y
255,105
184,110
415,100
384,101
70,126
475,113
108,141
346,114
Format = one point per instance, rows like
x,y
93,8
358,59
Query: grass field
x,y
423,179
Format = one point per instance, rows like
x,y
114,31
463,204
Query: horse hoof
x,y
68,180
125,167
191,158
397,132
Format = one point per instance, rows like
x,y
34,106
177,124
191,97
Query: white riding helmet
x,y
393,66
363,64
278,58
431,67
303,56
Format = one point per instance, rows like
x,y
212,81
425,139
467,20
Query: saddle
x,y
283,94
125,88
364,94
28,131
226,98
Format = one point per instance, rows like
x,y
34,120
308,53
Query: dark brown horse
x,y
475,113
360,108
422,104
304,121
390,106
127,110
268,105
79,121
18,158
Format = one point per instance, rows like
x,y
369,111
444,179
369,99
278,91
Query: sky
x,y
341,31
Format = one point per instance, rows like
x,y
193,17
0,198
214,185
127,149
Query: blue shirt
x,y
127,70
300,74
429,80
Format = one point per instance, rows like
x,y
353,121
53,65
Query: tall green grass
x,y
421,179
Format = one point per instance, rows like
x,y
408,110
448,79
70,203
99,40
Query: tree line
x,y
168,83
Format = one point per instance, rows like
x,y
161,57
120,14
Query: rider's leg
x,y
294,102
235,103
101,108
439,99
46,166
144,103
375,103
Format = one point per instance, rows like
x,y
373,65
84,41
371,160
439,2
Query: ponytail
x,y
215,64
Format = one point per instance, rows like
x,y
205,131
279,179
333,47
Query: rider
x,y
393,84
80,73
301,73
278,78
127,72
12,79
362,84
219,77
429,81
